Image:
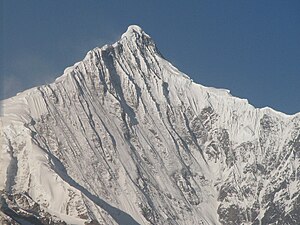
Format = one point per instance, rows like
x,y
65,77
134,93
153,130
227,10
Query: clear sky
x,y
251,47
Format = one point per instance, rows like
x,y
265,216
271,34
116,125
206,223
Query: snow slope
x,y
124,137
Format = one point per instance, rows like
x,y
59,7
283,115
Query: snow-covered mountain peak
x,y
136,38
124,137
134,31
135,47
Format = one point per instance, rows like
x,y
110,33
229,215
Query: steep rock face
x,y
123,137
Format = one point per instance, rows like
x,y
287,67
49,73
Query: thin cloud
x,y
25,72
10,85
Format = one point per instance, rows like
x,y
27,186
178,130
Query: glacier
x,y
123,137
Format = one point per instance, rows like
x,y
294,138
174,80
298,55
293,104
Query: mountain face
x,y
123,137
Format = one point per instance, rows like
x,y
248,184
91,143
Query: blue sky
x,y
249,47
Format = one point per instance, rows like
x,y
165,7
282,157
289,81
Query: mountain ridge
x,y
136,29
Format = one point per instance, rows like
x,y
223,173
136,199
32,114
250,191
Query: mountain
x,y
123,137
